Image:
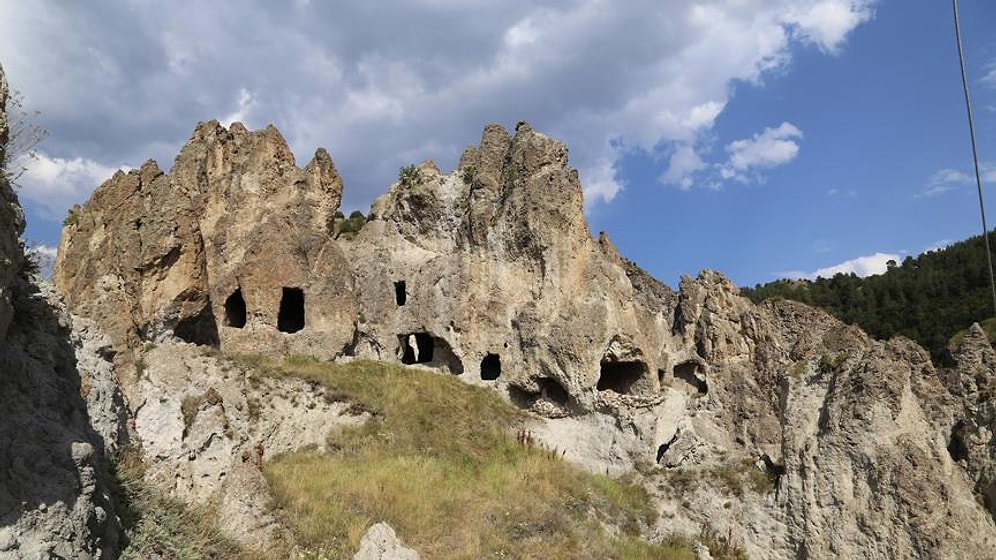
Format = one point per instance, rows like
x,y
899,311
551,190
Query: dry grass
x,y
440,463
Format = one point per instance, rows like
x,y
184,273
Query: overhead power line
x,y
975,152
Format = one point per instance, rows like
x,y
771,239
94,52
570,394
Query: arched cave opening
x,y
235,310
199,329
491,367
423,348
691,373
956,444
400,295
621,376
290,319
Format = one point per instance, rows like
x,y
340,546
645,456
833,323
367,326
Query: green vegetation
x,y
160,527
928,298
468,174
349,227
72,217
440,462
410,176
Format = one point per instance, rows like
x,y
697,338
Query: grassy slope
x,y
440,462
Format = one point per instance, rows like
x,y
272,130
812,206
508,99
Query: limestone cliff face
x,y
62,412
231,247
490,273
492,270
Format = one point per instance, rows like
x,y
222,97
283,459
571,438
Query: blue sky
x,y
760,138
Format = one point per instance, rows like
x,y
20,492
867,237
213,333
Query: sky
x,y
760,138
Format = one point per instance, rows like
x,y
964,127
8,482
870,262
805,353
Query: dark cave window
x,y
290,319
689,373
199,329
235,310
400,295
620,376
491,367
416,348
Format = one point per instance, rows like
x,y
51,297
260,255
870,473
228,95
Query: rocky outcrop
x,y
233,246
11,222
380,542
54,484
207,425
793,434
491,272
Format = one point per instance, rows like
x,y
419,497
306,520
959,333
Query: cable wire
x,y
975,152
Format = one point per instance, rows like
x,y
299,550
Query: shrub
x,y
410,176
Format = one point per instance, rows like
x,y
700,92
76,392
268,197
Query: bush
x,y
410,176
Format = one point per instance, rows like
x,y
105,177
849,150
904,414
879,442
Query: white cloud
x,y
990,78
938,246
827,23
861,266
600,182
44,256
946,180
245,103
684,163
770,148
55,184
371,85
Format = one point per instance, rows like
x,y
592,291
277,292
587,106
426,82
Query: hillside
x,y
534,394
928,298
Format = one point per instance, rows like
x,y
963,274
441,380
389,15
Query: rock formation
x,y
62,411
232,247
860,448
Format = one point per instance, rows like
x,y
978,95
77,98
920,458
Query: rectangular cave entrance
x,y
621,376
235,310
491,367
400,295
290,319
423,348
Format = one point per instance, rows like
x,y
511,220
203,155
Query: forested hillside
x,y
928,298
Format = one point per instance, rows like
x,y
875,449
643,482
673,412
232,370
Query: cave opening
x,y
400,294
491,367
290,319
235,310
200,328
621,376
956,444
423,348
691,373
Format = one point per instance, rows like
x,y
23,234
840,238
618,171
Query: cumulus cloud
x,y
828,22
862,266
54,184
382,87
770,148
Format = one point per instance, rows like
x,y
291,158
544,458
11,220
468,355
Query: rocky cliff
x,y
62,411
856,447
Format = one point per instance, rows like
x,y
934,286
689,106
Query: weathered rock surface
x,y
54,491
380,542
231,247
792,434
11,222
207,425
